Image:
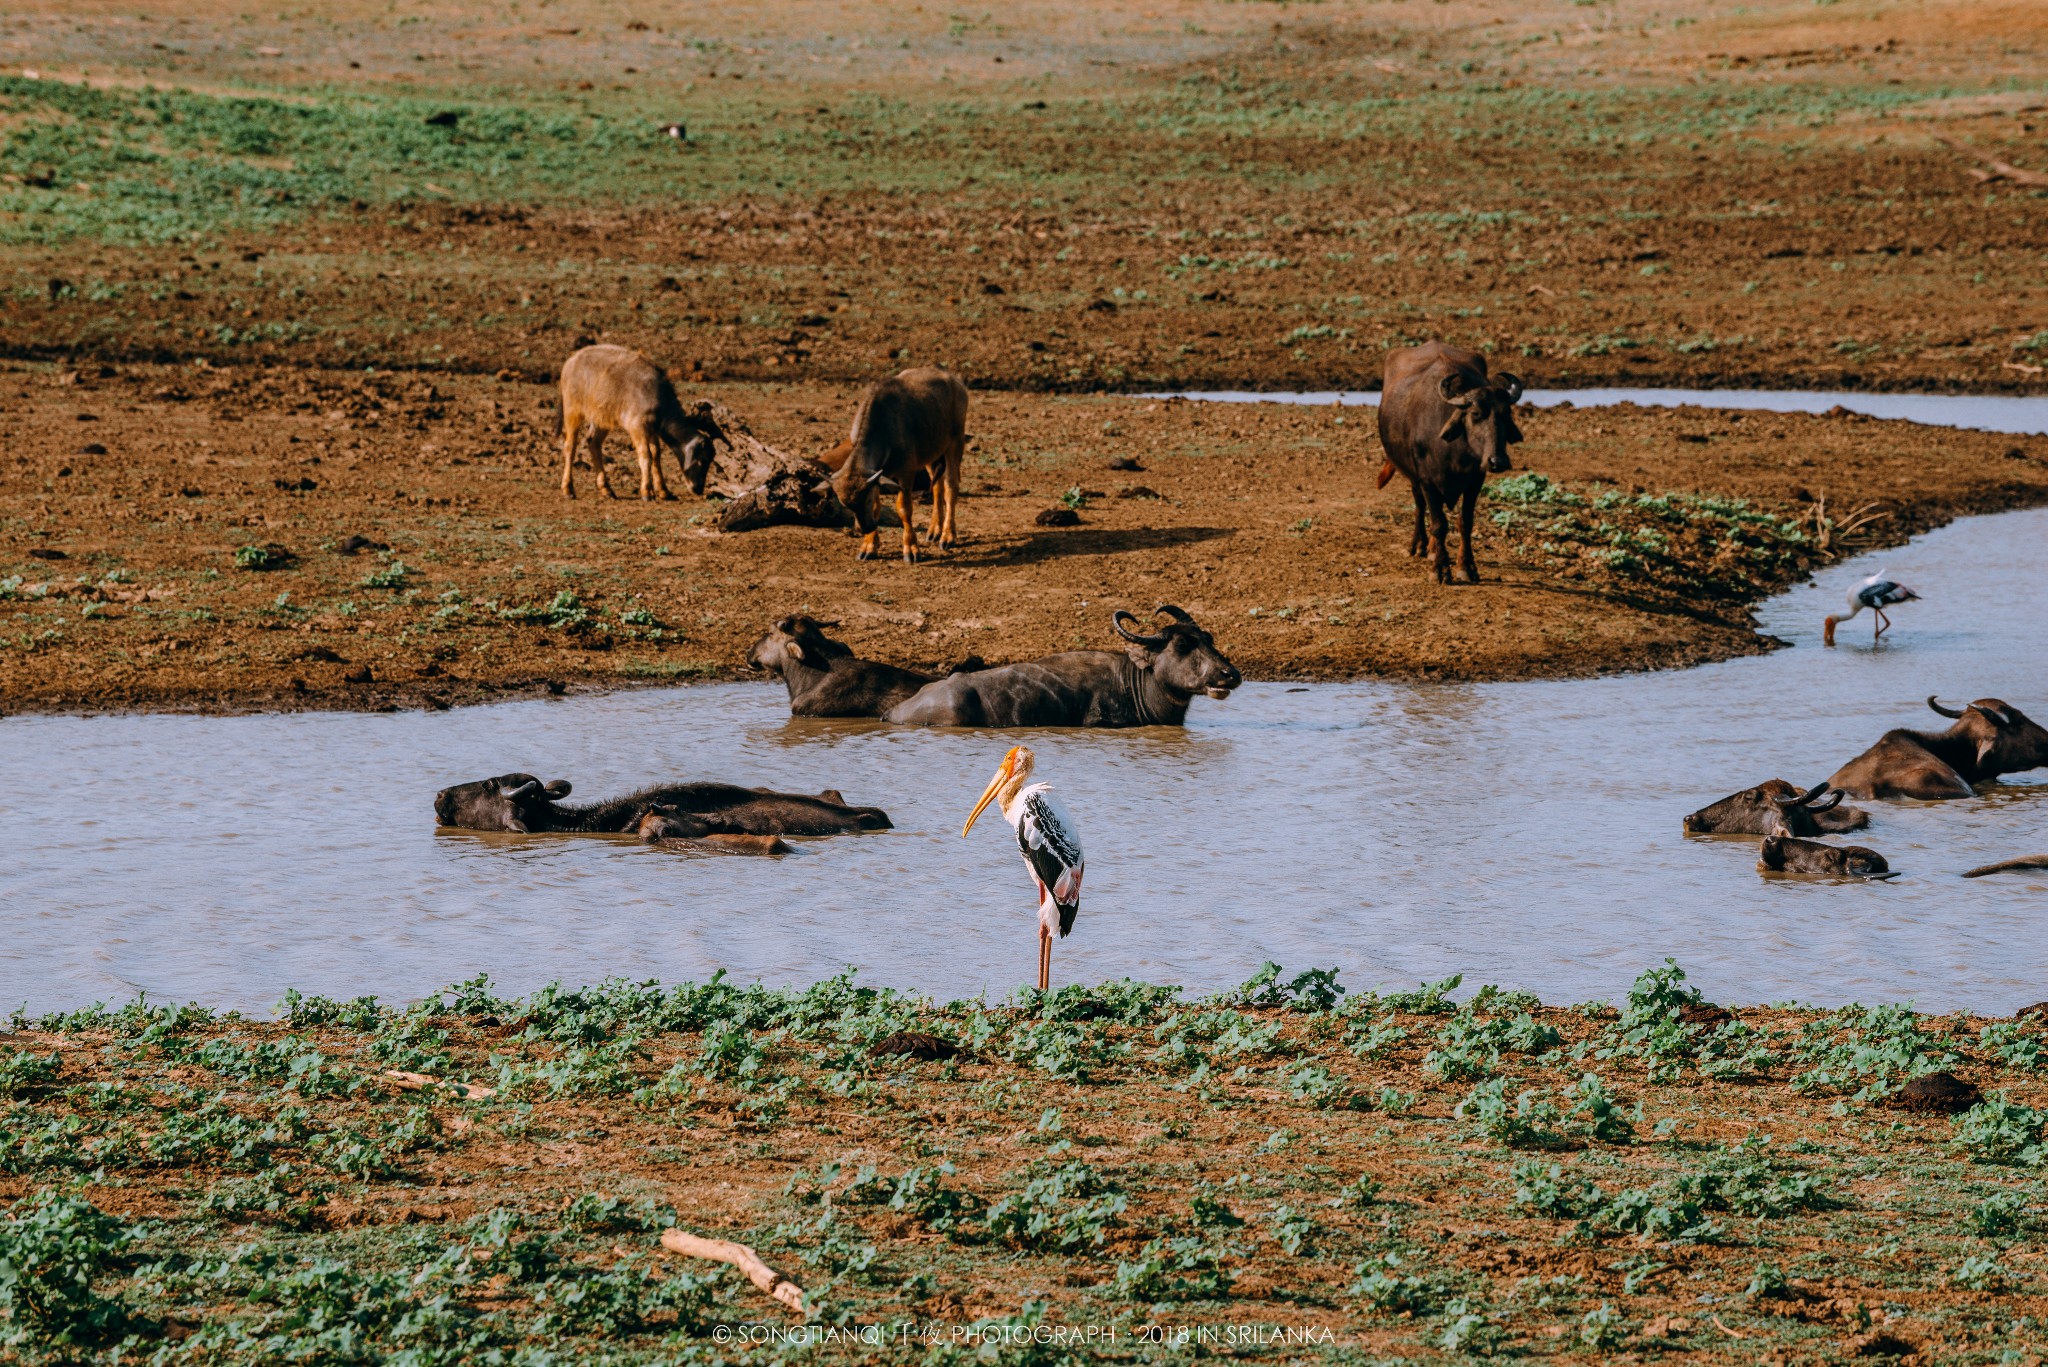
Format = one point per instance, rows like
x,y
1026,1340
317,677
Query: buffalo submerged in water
x,y
522,803
1150,684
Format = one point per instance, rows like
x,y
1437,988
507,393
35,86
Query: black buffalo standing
x,y
1446,426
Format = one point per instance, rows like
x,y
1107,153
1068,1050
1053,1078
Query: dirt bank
x,y
182,538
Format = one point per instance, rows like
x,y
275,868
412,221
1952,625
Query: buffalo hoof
x,y
865,554
1443,574
1471,573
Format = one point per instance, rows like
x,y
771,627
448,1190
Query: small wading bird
x,y
1875,593
1045,835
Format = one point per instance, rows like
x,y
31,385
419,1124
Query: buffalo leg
x,y
648,448
953,464
572,432
1439,535
870,545
604,476
1465,561
905,511
1419,544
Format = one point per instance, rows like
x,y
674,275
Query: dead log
x,y
741,1257
763,485
1994,169
421,1082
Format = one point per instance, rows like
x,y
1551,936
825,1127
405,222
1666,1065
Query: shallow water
x,y
1526,834
1986,412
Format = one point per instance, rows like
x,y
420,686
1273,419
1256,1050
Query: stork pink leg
x,y
1044,960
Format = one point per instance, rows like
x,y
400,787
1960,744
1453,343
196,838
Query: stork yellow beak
x,y
995,784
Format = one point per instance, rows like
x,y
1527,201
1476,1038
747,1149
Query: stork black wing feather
x,y
1049,848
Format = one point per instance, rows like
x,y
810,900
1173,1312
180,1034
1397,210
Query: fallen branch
x,y
764,485
419,1082
1731,1333
741,1257
1994,169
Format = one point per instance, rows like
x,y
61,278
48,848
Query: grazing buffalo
x,y
616,389
913,422
1446,426
1149,684
521,802
676,829
1777,808
825,678
2026,862
1787,854
1989,738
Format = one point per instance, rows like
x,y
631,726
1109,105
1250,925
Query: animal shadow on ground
x,y
989,551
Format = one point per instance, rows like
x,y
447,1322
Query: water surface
x,y
1522,833
2022,415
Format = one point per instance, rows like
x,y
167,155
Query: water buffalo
x,y
616,389
1777,808
916,420
2024,863
677,829
1786,854
1149,684
825,678
1989,738
521,802
1445,425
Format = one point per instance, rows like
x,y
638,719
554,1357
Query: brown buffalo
x,y
913,422
676,829
1777,808
616,389
1989,738
1788,854
1445,425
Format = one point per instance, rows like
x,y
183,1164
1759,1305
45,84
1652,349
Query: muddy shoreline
x,y
140,576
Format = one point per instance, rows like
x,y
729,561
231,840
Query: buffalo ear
x,y
794,651
558,789
1141,656
1984,749
1453,429
517,826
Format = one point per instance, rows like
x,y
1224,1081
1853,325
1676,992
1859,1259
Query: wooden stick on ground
x,y
1998,170
741,1257
419,1082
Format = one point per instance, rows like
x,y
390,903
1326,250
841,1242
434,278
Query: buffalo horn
x,y
522,792
1117,620
1832,801
1512,384
1801,799
1453,397
1169,610
1946,712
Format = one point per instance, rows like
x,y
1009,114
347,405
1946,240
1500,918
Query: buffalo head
x,y
2006,739
1181,655
1483,414
798,640
860,489
1777,808
695,437
509,802
1785,854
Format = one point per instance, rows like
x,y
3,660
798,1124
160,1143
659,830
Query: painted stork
x,y
1875,593
1045,836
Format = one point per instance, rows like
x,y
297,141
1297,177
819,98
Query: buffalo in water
x,y
1445,424
522,803
1788,854
1778,808
1149,684
826,679
1989,738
